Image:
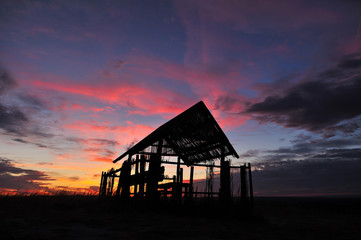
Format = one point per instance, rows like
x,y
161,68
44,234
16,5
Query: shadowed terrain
x,y
87,217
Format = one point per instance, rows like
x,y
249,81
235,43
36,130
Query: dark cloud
x,y
250,153
37,144
130,144
73,178
225,103
332,98
92,149
20,140
108,152
32,101
312,165
18,110
101,141
45,163
289,171
40,145
94,141
20,179
6,82
12,120
337,173
351,61
118,64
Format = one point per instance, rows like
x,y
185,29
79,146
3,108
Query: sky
x,y
81,81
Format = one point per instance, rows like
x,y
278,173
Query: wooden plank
x,y
250,184
244,192
191,183
225,191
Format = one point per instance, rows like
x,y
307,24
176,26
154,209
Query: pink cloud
x,y
140,99
139,90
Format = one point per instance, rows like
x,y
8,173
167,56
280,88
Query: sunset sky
x,y
83,80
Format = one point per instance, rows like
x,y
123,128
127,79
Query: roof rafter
x,y
194,136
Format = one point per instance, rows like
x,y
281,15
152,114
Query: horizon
x,y
82,82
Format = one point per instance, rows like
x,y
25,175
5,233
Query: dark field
x,y
86,217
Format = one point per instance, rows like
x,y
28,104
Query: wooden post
x,y
225,191
191,183
142,177
101,184
154,173
178,171
125,177
244,192
112,185
136,175
104,187
180,184
181,175
250,184
117,193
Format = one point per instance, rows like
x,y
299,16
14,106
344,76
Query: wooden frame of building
x,y
196,139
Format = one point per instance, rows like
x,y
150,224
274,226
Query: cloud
x,y
229,103
12,119
94,141
20,112
118,64
45,163
334,173
137,97
97,149
330,98
73,178
6,82
312,165
20,140
301,172
16,178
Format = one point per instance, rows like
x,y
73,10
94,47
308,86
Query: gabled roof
x,y
193,135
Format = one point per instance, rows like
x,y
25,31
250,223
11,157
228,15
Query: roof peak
x,y
194,135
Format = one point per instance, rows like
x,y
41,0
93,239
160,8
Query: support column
x,y
181,175
250,184
225,191
154,173
178,188
180,184
142,177
244,192
191,183
104,187
178,170
136,175
101,185
111,184
125,178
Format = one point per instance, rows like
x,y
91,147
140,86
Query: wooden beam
x,y
250,184
191,183
244,192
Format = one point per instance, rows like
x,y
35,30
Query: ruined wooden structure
x,y
191,139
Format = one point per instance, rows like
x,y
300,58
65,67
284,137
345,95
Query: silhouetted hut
x,y
193,138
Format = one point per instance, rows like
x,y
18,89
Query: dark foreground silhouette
x,y
88,217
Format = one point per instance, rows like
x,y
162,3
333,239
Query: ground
x,y
87,217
